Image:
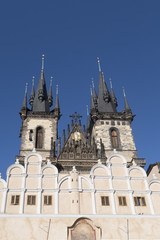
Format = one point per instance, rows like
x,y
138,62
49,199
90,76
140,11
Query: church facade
x,y
89,185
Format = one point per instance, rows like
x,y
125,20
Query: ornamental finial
x,y
99,66
87,110
92,82
33,80
26,87
42,61
57,89
91,90
51,81
110,80
124,92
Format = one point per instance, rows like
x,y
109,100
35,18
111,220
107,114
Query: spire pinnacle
x,y
124,92
87,110
42,61
26,88
33,81
57,89
24,105
92,82
51,81
99,66
110,80
127,107
50,97
32,96
88,121
91,90
57,99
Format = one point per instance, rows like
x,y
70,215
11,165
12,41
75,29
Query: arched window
x,y
39,137
114,137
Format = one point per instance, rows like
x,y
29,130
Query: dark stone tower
x,y
107,125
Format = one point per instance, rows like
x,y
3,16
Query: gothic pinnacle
x,y
127,107
24,105
50,97
31,99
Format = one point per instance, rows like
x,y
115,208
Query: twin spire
x,y
40,101
106,101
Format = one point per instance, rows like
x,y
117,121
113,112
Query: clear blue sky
x,y
71,33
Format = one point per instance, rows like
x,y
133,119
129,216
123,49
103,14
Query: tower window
x,y
105,201
30,135
39,137
114,138
139,201
15,199
122,201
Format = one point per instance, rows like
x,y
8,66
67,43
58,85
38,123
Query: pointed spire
x,y
104,100
24,104
114,99
92,101
50,97
106,94
57,99
99,65
41,103
94,94
32,96
42,61
88,120
127,107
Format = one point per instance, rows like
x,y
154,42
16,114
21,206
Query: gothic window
x,y
114,137
39,137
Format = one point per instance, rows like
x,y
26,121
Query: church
x,y
88,184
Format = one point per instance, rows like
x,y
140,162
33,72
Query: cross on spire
x,y
75,116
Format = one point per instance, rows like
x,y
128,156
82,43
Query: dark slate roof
x,y
41,103
127,107
104,99
113,97
151,166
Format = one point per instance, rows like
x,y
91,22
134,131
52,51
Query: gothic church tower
x,y
109,127
39,124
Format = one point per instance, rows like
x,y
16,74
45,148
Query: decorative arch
x,y
153,185
50,166
64,179
115,138
137,168
3,182
33,154
83,228
116,155
39,137
99,166
15,166
87,180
